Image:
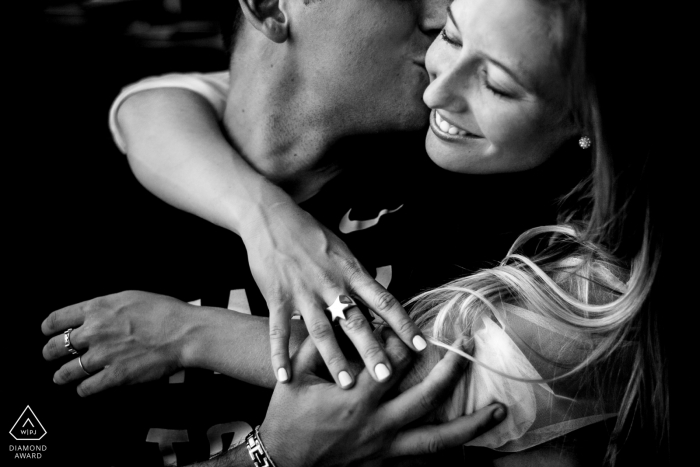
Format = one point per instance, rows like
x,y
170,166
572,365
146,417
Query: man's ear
x,y
267,16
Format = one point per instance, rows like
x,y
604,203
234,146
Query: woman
x,y
592,281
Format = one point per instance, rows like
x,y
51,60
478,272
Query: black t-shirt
x,y
411,224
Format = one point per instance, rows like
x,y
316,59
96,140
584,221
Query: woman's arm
x,y
177,151
135,337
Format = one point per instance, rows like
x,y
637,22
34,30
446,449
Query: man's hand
x,y
130,337
300,266
311,422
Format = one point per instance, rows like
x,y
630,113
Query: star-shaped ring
x,y
337,309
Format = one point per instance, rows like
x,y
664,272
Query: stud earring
x,y
584,142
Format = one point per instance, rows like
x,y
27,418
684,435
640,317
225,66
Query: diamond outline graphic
x,y
20,418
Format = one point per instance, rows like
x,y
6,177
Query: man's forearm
x,y
237,345
236,457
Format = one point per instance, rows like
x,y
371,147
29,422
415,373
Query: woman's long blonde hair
x,y
580,290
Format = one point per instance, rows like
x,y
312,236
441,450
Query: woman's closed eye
x,y
498,92
449,40
483,75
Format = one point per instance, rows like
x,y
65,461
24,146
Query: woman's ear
x,y
268,17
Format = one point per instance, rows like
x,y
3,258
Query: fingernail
x,y
344,378
499,414
419,343
381,371
282,375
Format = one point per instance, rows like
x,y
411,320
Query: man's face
x,y
364,60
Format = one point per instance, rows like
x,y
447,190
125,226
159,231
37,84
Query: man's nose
x,y
433,15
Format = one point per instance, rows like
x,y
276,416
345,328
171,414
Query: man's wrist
x,y
282,457
256,449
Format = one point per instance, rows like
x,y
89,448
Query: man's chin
x,y
403,120
416,119
419,117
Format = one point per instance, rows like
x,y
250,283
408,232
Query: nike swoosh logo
x,y
347,225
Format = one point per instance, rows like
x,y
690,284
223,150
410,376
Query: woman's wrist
x,y
262,206
251,204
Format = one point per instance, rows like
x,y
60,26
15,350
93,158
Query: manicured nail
x,y
282,375
381,371
345,379
499,414
419,343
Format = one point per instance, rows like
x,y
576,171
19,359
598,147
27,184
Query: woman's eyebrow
x,y
452,18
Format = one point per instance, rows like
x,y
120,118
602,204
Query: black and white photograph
x,y
319,233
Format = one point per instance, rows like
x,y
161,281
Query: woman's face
x,y
497,92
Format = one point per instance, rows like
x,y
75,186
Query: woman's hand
x,y
177,151
130,337
311,422
301,267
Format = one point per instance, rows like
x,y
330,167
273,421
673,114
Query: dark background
x,y
78,224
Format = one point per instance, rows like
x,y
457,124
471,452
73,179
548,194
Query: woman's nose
x,y
448,86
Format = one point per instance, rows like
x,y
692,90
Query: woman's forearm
x,y
236,345
177,151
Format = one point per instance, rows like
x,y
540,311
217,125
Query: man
x,y
303,78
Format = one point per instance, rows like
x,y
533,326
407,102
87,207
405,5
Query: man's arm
x,y
236,457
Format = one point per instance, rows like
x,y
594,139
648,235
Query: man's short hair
x,y
231,18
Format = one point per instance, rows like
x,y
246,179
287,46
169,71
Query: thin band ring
x,y
80,362
66,342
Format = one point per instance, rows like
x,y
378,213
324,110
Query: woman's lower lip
x,y
435,128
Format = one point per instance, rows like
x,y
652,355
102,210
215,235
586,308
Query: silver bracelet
x,y
256,449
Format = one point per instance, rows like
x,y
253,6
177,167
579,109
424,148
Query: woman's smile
x,y
497,90
446,130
